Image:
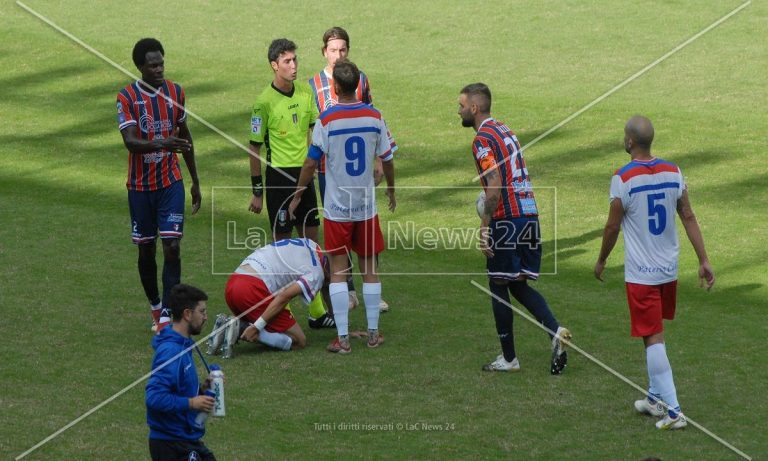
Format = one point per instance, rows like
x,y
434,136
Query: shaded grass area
x,y
69,281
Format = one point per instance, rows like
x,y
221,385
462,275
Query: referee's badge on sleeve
x,y
256,125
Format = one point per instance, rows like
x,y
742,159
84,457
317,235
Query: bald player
x,y
644,196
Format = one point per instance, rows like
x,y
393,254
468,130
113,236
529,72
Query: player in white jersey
x,y
350,135
265,282
644,196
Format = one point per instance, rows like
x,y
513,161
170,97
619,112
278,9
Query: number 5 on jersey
x,y
657,214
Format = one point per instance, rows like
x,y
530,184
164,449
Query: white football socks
x,y
372,298
660,375
340,302
277,340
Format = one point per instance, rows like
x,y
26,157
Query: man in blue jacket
x,y
174,397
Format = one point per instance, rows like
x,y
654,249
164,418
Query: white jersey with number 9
x,y
350,136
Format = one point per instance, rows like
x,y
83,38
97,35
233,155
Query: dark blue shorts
x,y
162,210
516,248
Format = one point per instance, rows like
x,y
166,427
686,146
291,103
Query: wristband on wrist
x,y
257,185
260,324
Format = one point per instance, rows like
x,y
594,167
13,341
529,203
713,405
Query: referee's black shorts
x,y
279,190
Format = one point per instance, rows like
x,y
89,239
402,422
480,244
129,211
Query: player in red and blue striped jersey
x,y
152,121
335,47
511,223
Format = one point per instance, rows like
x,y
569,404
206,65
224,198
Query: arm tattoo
x,y
491,200
490,205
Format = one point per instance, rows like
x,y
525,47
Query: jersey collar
x,y
489,119
147,93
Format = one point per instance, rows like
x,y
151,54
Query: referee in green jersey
x,y
282,117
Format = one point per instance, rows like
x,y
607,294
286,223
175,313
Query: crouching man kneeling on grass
x,y
259,290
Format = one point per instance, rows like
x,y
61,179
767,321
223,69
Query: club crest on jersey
x,y
295,119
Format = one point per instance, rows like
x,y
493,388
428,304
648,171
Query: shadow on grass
x,y
729,292
20,83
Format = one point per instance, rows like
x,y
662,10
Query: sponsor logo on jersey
x,y
154,157
482,152
255,125
147,124
176,217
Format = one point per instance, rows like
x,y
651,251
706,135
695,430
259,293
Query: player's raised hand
x,y
197,198
706,275
256,204
599,268
392,201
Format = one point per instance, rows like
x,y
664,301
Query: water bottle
x,y
202,416
217,386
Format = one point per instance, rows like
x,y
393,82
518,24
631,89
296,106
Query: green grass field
x,y
74,322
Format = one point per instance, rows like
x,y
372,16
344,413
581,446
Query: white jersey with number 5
x,y
350,136
288,261
649,191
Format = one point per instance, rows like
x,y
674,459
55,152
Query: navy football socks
x,y
504,320
535,303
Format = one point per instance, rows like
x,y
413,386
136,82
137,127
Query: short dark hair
x,y
335,33
144,46
346,76
278,47
184,297
481,90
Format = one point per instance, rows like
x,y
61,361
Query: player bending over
x,y
262,286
